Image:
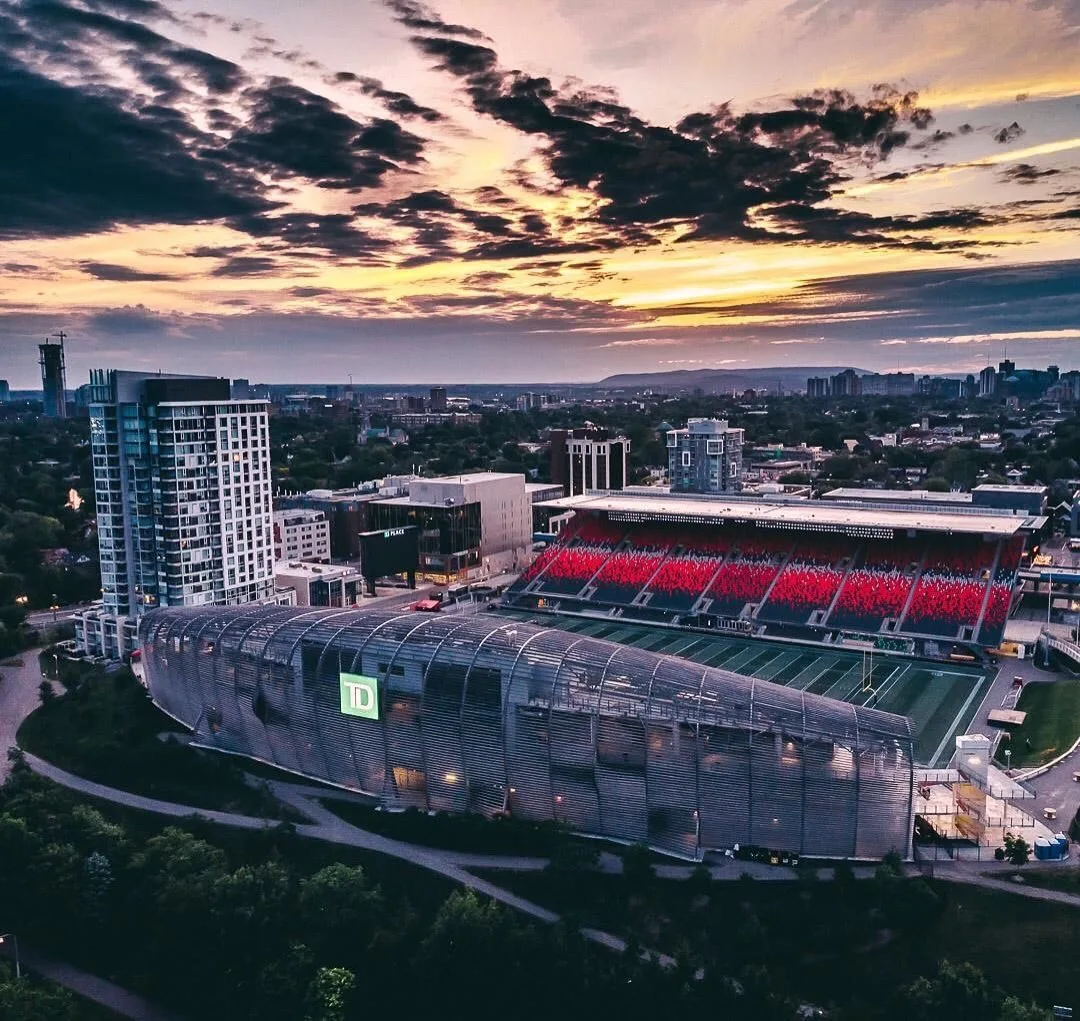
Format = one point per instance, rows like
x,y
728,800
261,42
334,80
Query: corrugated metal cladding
x,y
481,714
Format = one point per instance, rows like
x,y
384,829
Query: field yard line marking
x,y
766,663
787,662
950,734
815,662
854,668
829,664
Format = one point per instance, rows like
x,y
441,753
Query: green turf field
x,y
940,698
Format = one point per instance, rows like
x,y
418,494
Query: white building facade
x,y
182,483
302,535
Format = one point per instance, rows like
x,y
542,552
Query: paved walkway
x,y
107,994
18,699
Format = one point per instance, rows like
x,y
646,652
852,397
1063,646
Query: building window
x,y
686,458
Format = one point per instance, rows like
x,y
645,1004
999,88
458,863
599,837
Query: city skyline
x,y
458,193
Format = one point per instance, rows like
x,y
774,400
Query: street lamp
x,y
55,606
4,937
1008,759
1049,595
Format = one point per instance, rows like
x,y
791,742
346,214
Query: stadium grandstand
x,y
932,578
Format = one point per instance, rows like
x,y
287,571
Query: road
x,y
43,618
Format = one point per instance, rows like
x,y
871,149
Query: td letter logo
x,y
359,696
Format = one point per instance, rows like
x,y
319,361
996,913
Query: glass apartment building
x,y
182,487
481,714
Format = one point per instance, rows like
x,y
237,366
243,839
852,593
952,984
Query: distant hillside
x,y
722,380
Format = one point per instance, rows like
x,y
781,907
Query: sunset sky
x,y
534,191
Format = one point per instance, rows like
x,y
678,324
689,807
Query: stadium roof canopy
x,y
810,515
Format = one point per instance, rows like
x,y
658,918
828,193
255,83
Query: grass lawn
x,y
107,731
1052,724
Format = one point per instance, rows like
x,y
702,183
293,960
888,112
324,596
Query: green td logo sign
x,y
359,696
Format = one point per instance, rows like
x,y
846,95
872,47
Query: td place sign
x,y
359,696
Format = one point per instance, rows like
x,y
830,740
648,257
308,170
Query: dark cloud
x,y
1010,133
421,18
247,266
331,234
213,251
121,274
20,268
92,155
485,279
934,139
926,303
715,173
310,292
399,103
150,10
1027,173
291,132
83,163
127,321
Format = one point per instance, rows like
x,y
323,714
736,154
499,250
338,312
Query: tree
x,y
343,908
1017,849
26,1001
957,992
46,693
98,882
1013,1009
328,995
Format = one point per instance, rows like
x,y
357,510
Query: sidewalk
x,y
98,990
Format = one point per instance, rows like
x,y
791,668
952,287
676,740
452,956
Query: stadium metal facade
x,y
480,714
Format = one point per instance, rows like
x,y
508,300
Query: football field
x,y
941,699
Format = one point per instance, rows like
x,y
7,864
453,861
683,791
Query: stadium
x,y
492,715
697,673
934,581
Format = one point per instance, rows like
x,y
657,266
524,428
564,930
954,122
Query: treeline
x,y
234,924
40,461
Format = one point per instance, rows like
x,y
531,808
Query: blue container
x,y
1063,845
1046,850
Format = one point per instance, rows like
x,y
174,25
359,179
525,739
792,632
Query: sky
x,y
384,191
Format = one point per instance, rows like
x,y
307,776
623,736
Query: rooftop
x,y
302,569
896,495
782,513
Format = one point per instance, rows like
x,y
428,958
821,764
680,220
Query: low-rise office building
x,y
302,534
319,584
471,526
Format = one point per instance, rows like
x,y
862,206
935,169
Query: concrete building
x,y
346,510
705,457
5,391
819,386
53,378
182,483
437,399
847,384
302,535
471,526
420,419
319,584
589,458
988,379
